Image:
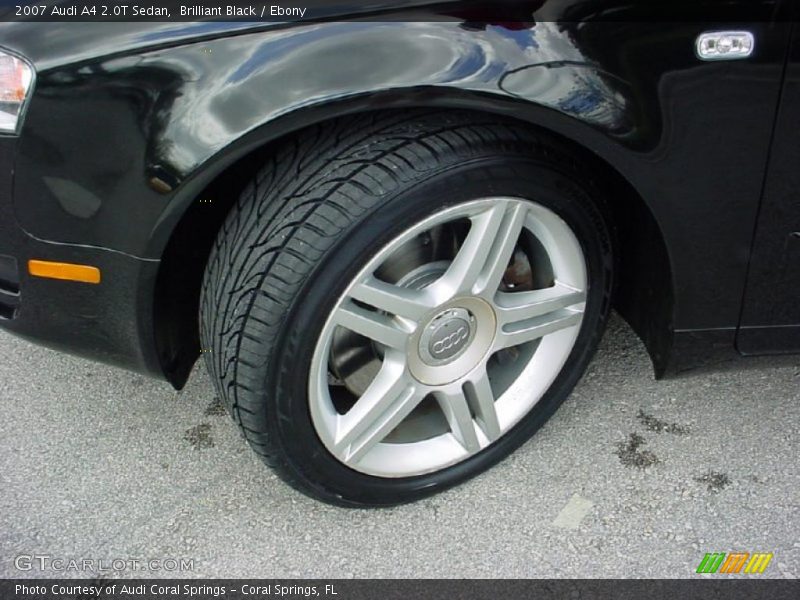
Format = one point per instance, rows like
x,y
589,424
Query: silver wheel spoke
x,y
520,306
375,326
483,258
519,332
481,400
455,407
388,400
403,302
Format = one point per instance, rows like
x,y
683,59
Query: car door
x,y
770,321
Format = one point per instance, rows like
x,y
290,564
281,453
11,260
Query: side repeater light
x,y
66,271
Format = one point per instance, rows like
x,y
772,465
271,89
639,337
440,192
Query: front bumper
x,y
111,322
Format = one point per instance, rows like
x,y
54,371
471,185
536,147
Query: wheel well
x,y
644,292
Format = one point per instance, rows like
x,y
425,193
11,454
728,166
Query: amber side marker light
x,y
67,271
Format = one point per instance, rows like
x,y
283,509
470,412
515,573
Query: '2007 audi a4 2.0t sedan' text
x,y
395,237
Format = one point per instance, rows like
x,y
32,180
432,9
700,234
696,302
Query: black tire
x,y
311,218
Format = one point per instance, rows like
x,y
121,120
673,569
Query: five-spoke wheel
x,y
458,340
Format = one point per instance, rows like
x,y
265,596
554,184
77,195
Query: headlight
x,y
16,76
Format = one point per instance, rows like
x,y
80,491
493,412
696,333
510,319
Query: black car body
x,y
136,139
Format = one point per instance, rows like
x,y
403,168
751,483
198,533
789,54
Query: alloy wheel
x,y
447,337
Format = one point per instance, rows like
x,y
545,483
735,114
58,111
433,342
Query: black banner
x,y
259,11
388,589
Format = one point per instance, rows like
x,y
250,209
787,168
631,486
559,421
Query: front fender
x,y
165,123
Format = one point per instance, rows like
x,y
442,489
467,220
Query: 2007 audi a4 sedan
x,y
394,232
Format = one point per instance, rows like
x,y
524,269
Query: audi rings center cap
x,y
446,336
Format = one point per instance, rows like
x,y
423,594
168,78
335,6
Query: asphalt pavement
x,y
631,478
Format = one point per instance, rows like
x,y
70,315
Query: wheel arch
x,y
185,235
